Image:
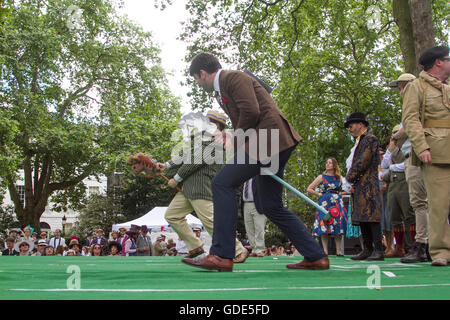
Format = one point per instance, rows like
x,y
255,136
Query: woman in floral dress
x,y
327,187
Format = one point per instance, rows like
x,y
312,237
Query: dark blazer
x,y
6,252
103,242
364,176
249,105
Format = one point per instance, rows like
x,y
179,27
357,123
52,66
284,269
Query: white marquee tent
x,y
155,221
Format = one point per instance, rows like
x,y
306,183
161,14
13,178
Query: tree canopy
x,y
78,93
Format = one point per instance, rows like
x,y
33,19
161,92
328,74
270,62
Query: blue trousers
x,y
268,200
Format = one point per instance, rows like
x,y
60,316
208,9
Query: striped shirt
x,y
196,176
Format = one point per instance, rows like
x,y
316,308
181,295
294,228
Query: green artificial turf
x,y
166,278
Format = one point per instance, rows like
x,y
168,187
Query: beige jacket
x,y
433,132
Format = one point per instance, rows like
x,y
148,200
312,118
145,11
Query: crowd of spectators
x,y
134,242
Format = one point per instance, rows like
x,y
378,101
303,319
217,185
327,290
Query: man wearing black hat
x,y
363,175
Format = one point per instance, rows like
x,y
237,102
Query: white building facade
x,y
52,220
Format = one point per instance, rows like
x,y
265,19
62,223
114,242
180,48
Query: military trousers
x,y
398,201
437,183
418,199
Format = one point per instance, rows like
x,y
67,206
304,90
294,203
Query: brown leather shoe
x,y
252,254
321,264
240,258
389,253
399,252
195,252
210,262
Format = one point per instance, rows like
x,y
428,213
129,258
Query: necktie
x,y
246,190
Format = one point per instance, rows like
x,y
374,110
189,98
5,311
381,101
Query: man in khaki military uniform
x,y
400,211
416,186
426,118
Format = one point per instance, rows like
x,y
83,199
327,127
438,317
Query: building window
x,y
94,190
21,192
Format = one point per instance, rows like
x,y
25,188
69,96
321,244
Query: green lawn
x,y
166,278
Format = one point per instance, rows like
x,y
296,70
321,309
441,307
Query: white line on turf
x,y
138,290
365,287
231,289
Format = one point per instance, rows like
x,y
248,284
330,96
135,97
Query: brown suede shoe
x,y
321,264
210,262
240,258
195,252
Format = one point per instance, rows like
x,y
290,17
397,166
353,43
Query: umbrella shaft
x,y
301,195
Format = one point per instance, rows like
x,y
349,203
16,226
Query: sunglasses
x,y
445,59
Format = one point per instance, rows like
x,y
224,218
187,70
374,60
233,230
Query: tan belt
x,y
437,124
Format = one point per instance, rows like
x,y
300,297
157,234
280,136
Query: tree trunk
x,y
422,21
32,218
416,33
402,18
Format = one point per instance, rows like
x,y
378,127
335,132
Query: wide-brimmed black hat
x,y
356,117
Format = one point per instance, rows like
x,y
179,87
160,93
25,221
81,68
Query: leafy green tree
x,y
139,195
81,88
99,213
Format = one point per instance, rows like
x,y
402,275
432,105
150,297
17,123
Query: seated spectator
x,y
10,251
160,247
144,242
34,237
122,239
57,240
180,248
59,251
40,248
70,252
44,237
114,236
97,250
130,244
12,234
24,249
114,249
274,251
49,251
171,244
27,234
75,246
86,251
100,239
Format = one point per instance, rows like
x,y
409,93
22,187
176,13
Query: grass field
x,y
166,278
